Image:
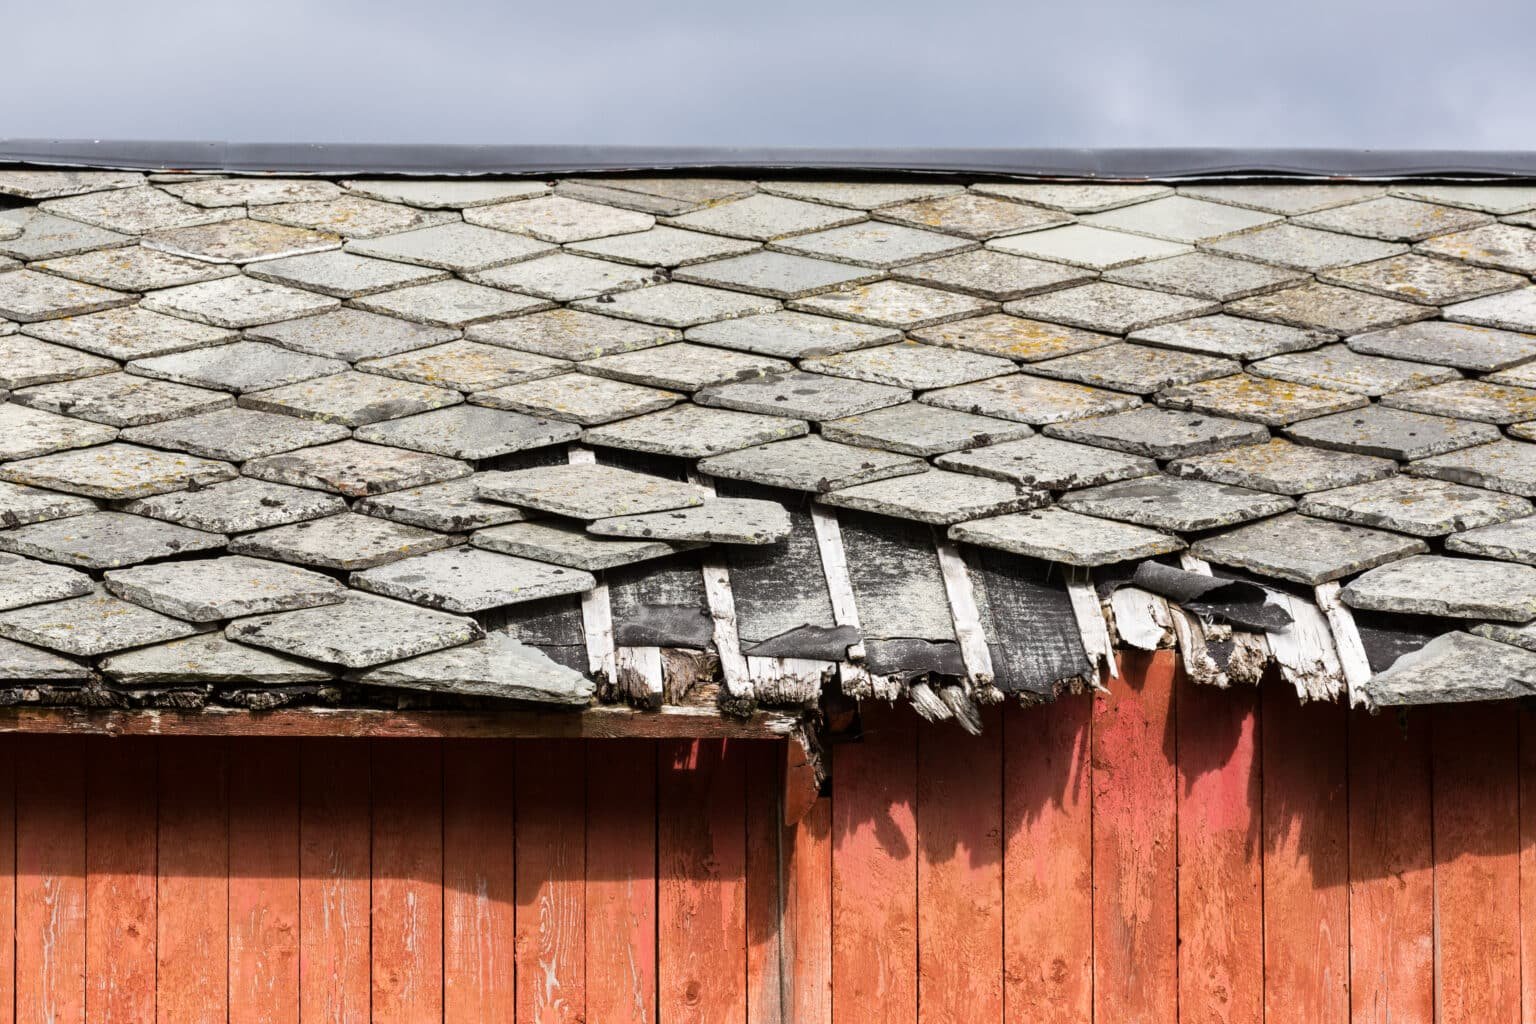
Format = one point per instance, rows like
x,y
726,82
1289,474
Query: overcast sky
x,y
1350,73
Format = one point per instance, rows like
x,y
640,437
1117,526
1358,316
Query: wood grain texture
x,y
1048,862
807,923
407,896
122,805
335,864
50,882
764,837
1134,794
1220,873
621,882
264,881
192,949
1527,771
479,882
551,868
8,880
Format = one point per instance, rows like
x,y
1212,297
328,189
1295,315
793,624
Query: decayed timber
x,y
1346,641
967,619
1090,621
1142,619
856,681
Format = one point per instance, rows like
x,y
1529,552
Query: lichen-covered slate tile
x,y
694,431
238,506
1139,369
1305,550
451,303
1027,399
343,275
810,463
235,435
1510,311
1495,246
1072,197
30,234
1469,400
1056,535
791,335
469,432
361,632
30,665
972,216
914,428
895,304
1467,588
1391,433
466,366
22,505
938,497
238,302
1114,308
804,396
683,366
1423,279
1305,249
458,247
1049,464
134,211
106,540
1013,337
1456,667
564,544
1394,219
28,296
677,305
1264,400
254,191
133,269
1181,219
559,219
875,244
500,667
1413,505
1088,247
130,333
445,193
240,241
578,398
1463,346
241,367
24,582
450,507
1205,275
51,184
348,541
116,471
911,364
209,589
355,468
663,247
1508,466
1328,308
1160,433
992,275
780,275
25,433
1494,198
718,521
352,216
351,398
1285,198
465,579
565,277
570,334
1176,503
208,658
351,334
588,491
96,623
1230,336
1283,467
764,218
121,399
859,195
1341,368
26,361
1511,541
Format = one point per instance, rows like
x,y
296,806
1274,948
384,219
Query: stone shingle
x,y
26,361
1082,245
254,191
1508,466
343,275
25,433
1467,588
1465,347
1511,541
209,589
1496,246
1303,248
1284,467
915,428
24,582
30,665
1287,199
106,540
1029,399
28,296
570,545
130,333
1469,400
911,364
1305,550
570,334
578,398
347,541
361,632
351,399
1341,368
683,366
859,195
122,399
499,667
241,241
208,658
466,366
1013,337
1423,279
810,464
465,579
238,302
1391,433
1056,535
1416,506
1045,462
1230,336
1494,198
750,521
559,219
1510,311
992,275
49,184
458,247
780,275
351,334
355,468
22,505
1113,308
876,244
241,367
790,335
445,194
588,491
1139,369
1264,400
565,277
96,623
972,216
1325,307
1077,197
451,303
469,432
1394,220
134,211
450,507
677,305
133,269
1181,219
764,218
235,435
895,304
30,234
238,506
352,216
1160,433
938,497
663,247
693,431
116,471
1176,503
1205,275
801,395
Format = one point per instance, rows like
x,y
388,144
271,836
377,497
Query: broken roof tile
x,y
677,305
1048,463
558,219
938,497
1467,588
106,540
31,234
116,471
122,399
1205,275
916,428
22,505
351,398
1160,433
1176,503
210,589
565,277
28,296
570,545
588,490
875,244
352,216
351,334
234,434
579,398
237,302
1413,505
802,395
469,432
361,632
1391,433
1510,541
1508,466
454,246
1013,337
95,623
751,521
355,468
1089,247
1328,308
971,215
1264,400
342,275
1181,219
1305,550
1114,308
49,184
1393,219
1139,369
1284,467
683,366
693,431
241,367
911,364
467,580
1423,279
1056,535
1302,248
238,506
1030,399
240,241
809,463
347,541
570,334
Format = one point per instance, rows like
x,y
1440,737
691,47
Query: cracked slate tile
x,y
469,432
1230,336
559,219
51,184
28,665
859,195
1176,503
566,277
355,468
693,431
342,275
1496,198
588,490
466,366
25,433
911,364
1341,368
361,632
992,275
27,296
1028,399
130,333
1264,400
347,541
1205,275
662,246
1393,219
810,463
938,497
1113,308
499,667
1469,400
240,241
677,305
20,505
779,275
351,398
1305,550
1013,337
1181,219
208,658
351,334
1056,535
875,244
683,366
445,193
1510,311
718,521
96,623
465,579
970,215
210,589
1466,588
450,507
1511,541
1283,467
106,540
1160,433
1285,198
237,302
351,216
134,211
1303,248
1496,246
238,506
568,545
30,234
765,218
116,471
1073,197
790,335
801,395
1422,279
254,191
1391,433
121,399
241,367
914,428
1508,466
570,334
451,303
134,268
1457,667
578,398
1463,346
454,246
1092,248
1138,369
25,361
26,582
1416,506
1325,307
895,304
235,434
1048,463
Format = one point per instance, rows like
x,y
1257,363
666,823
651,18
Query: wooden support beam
x,y
1346,641
856,680
966,616
1090,623
722,611
596,610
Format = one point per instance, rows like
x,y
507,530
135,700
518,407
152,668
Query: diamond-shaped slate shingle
x,y
347,541
1230,336
1423,508
1284,467
1510,311
352,216
662,246
810,464
677,305
780,275
859,195
1174,503
20,505
1013,337
1206,275
1325,307
805,396
106,540
873,244
683,366
1115,308
130,333
241,367
570,334
116,471
35,235
1497,246
122,399
254,191
49,184
565,277
1423,279
791,335
910,364
1469,588
351,398
1088,247
206,590
588,491
209,658
1160,433
1289,199
992,275
235,435
1181,219
1508,466
1391,433
450,507
361,632
937,497
1139,369
1462,346
1304,249
764,218
26,361
558,219
134,210
579,398
1340,368
972,216
457,247
343,275
915,428
356,468
237,302
238,506
499,667
465,366
96,623
1305,550
32,665
465,579
1056,535
570,545
447,194
135,268
469,432
694,431
1393,219
25,433
27,296
1261,399
241,241
24,581
1048,463
451,303
1030,399
351,334
717,521
1076,197
1510,541
1469,400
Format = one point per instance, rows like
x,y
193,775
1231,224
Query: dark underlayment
x,y
710,442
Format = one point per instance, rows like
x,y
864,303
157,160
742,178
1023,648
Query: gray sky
x,y
1349,73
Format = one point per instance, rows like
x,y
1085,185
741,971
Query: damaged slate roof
x,y
669,440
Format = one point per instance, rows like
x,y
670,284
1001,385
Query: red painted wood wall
x,y
1166,853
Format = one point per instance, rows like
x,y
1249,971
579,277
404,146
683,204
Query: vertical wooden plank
x,y
1477,863
807,925
479,884
764,906
407,891
120,827
1048,865
551,868
1134,847
8,879
50,879
1304,764
192,951
701,892
1221,914
263,881
874,872
1527,863
621,881
334,869
1391,869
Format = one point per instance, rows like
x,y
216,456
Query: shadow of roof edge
x,y
1107,164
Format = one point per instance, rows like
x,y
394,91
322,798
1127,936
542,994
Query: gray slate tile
x,y
1391,433
564,277
1423,279
1138,369
1230,336
21,505
241,367
210,589
911,364
791,335
1181,219
445,193
763,218
133,269
992,275
1469,400
1305,249
116,471
450,507
465,579
351,399
26,664
1050,464
356,469
1113,308
570,334
970,215
810,464
26,361
1495,246
254,191
1496,198
343,275
718,521
351,334
467,366
564,544
1088,247
1205,275
499,667
25,582
238,506
1274,403
27,296
938,497
693,431
559,219
105,540
30,234
133,211
1160,433
1457,667
1462,346
1284,198
663,247
1466,588
238,302
1511,541
121,399
1029,399
452,303
1013,337
1305,550
1284,468
130,333
1508,466
683,366
469,432
1325,307
1056,535
1393,219
25,433
1343,369
461,248
49,184
873,244
578,398
777,274
915,428
235,435
859,195
1422,508
677,305
1176,503
588,491
361,632
804,396
240,241
1510,311
352,216
1074,197
96,623
348,541
208,658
